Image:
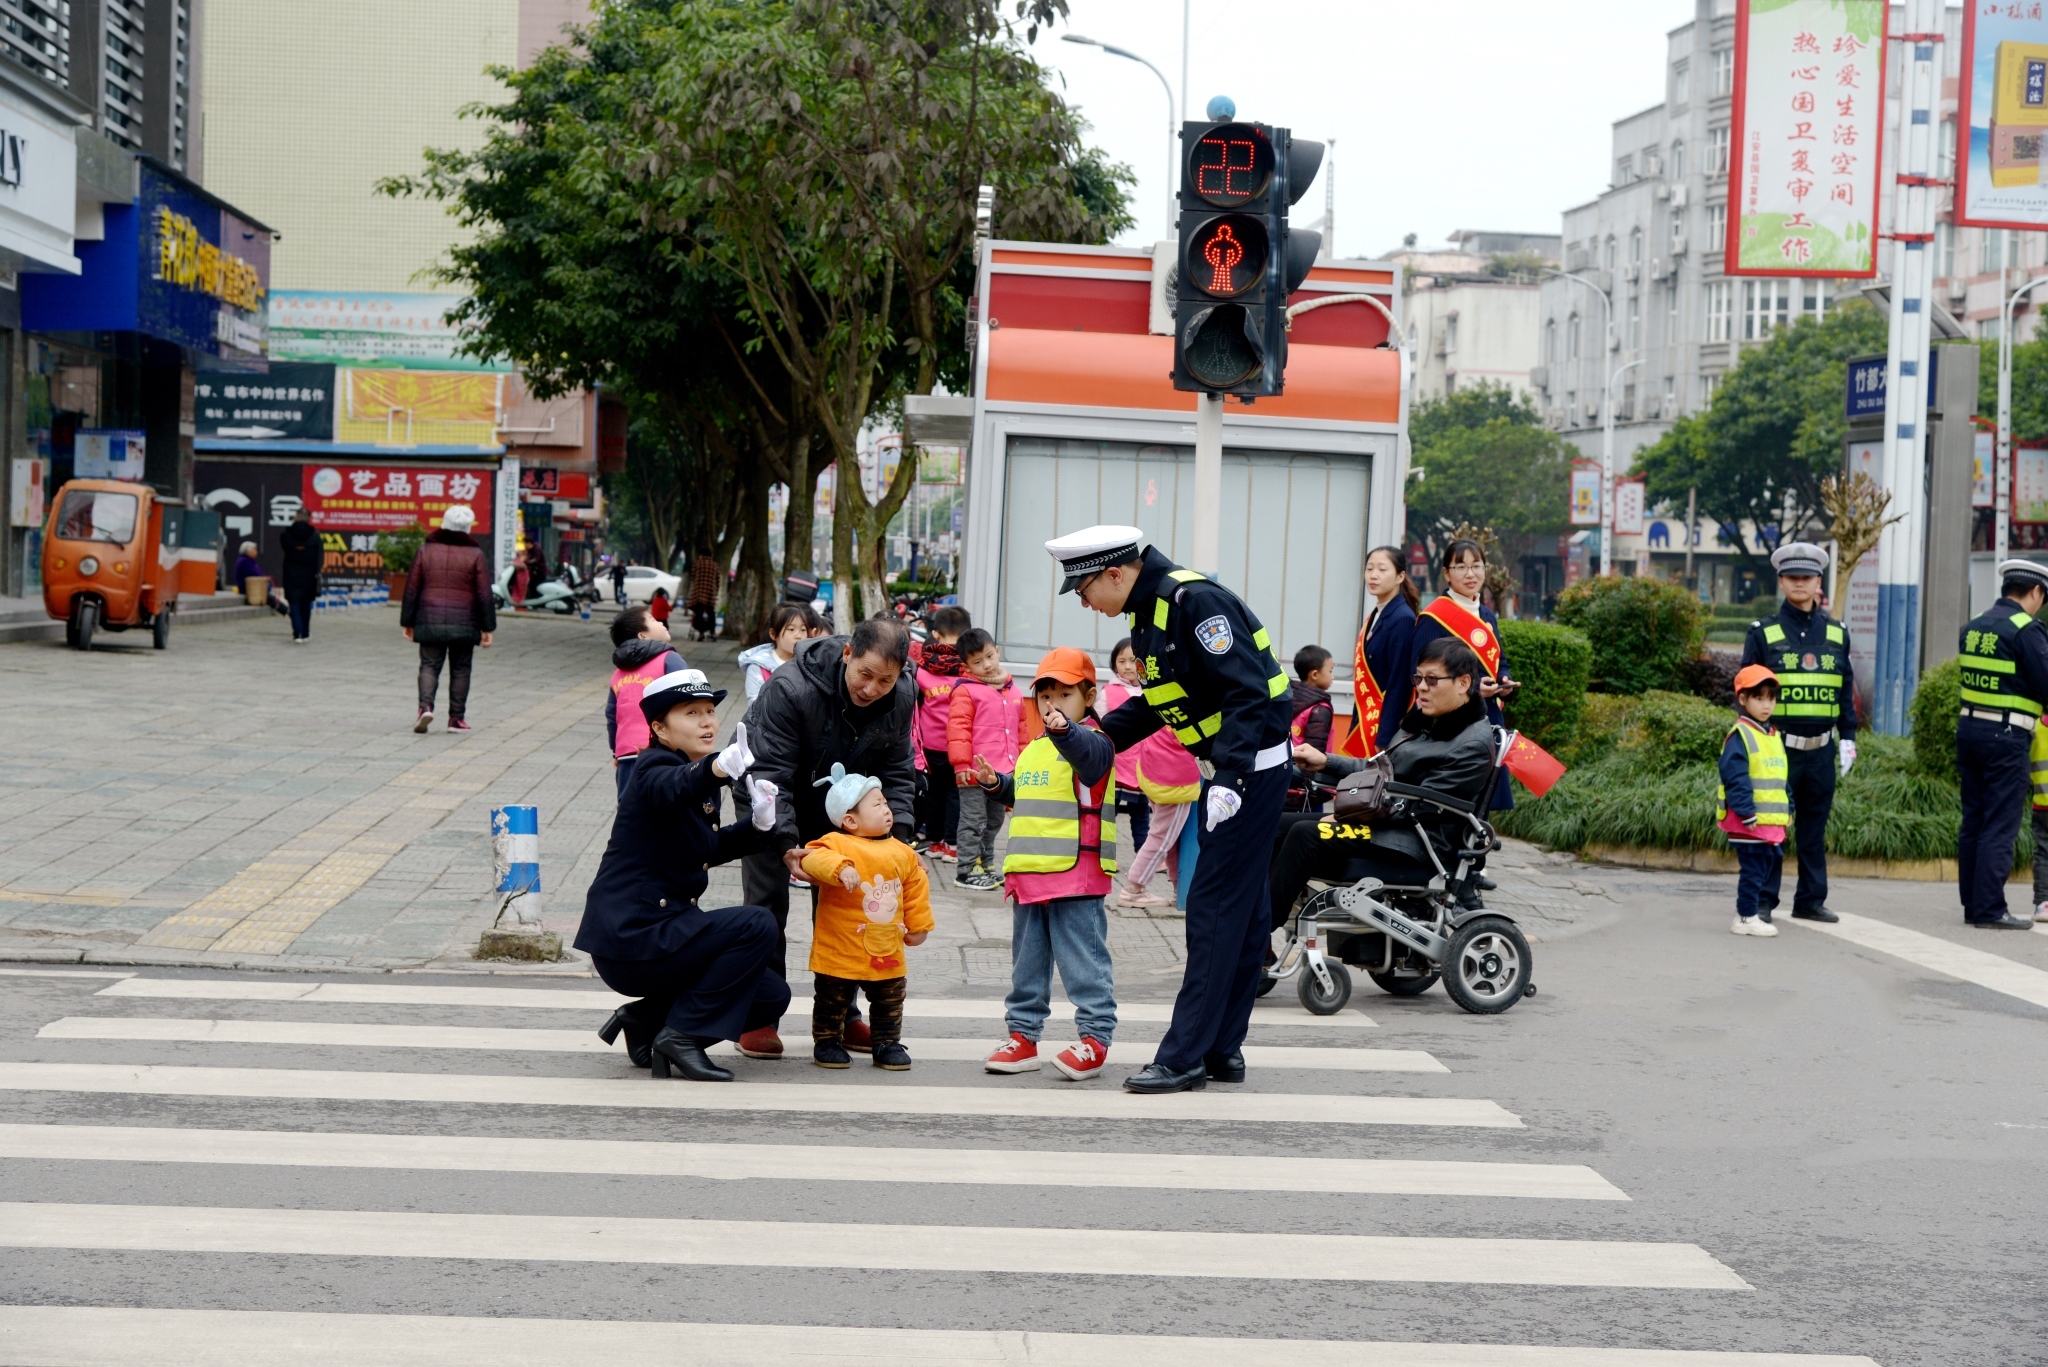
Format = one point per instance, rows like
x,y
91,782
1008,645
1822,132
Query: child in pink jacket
x,y
987,718
938,674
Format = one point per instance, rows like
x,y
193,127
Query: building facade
x,y
133,64
1472,309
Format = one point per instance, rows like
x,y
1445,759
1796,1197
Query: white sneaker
x,y
1753,925
2041,914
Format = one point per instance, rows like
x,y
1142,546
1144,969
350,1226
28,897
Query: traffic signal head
x,y
1238,262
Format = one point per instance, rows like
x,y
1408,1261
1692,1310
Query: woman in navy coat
x,y
1386,647
703,975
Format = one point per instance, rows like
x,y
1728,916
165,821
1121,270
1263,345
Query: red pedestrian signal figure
x,y
1222,252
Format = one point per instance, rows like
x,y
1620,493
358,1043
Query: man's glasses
x,y
1431,680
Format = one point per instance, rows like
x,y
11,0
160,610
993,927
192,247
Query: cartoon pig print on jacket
x,y
881,901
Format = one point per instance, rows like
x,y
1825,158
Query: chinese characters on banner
x,y
1628,507
1807,137
382,498
2002,121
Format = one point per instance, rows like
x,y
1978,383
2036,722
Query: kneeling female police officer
x,y
703,975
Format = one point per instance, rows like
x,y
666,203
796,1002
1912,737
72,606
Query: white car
x,y
643,580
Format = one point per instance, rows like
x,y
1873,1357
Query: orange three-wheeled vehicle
x,y
110,559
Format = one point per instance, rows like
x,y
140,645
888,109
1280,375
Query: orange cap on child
x,y
1750,676
1066,664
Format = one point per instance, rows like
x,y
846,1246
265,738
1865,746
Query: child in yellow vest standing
x,y
1057,869
1754,806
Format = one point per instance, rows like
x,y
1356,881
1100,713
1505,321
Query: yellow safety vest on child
x,y
2037,760
1765,751
1045,824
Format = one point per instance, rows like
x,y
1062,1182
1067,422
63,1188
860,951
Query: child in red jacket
x,y
987,719
938,672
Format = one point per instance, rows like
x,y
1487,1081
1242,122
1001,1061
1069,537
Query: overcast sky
x,y
1448,114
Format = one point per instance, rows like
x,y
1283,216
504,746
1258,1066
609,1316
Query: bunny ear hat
x,y
844,791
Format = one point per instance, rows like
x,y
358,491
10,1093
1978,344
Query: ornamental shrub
x,y
400,548
1552,664
1643,631
1936,707
1674,729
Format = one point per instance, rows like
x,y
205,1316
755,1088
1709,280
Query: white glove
x,y
1223,805
1848,756
761,792
735,759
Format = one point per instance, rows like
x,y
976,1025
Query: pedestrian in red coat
x,y
448,612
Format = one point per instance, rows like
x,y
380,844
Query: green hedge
x,y
1643,632
400,548
1936,707
1552,663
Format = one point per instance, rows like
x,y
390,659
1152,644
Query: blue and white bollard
x,y
515,857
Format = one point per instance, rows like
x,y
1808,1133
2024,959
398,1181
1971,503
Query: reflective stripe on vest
x,y
1045,822
1767,770
1990,664
2037,757
1159,694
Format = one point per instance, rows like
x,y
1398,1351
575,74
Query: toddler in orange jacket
x,y
873,900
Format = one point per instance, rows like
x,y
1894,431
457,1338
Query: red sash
x,y
1468,627
1369,699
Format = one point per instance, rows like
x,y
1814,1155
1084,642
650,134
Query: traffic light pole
x,y
1208,483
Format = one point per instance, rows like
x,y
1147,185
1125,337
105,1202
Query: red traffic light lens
x,y
1230,164
1226,255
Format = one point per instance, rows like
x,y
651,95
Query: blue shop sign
x,y
177,265
1867,385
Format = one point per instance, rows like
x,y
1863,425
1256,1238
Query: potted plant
x,y
398,549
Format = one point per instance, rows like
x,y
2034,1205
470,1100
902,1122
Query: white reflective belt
x,y
2022,720
1819,742
1272,755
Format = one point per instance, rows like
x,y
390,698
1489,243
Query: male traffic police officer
x,y
1212,677
1816,704
2005,682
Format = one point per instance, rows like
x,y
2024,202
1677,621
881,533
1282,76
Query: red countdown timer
x,y
1226,255
1230,164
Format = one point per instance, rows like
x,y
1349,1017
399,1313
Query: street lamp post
x,y
2002,476
1172,126
1607,470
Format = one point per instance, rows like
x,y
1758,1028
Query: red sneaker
x,y
858,1038
1084,1060
1018,1055
946,851
762,1043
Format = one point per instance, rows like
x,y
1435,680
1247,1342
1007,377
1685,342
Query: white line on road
x,y
1942,956
883,1097
808,1163
59,973
923,1248
601,999
349,1035
75,1336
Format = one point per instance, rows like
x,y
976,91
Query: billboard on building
x,y
291,401
375,330
1806,138
2002,116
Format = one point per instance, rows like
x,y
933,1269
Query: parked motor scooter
x,y
552,594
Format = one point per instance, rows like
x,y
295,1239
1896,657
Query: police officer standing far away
x,y
2005,681
1816,709
1211,677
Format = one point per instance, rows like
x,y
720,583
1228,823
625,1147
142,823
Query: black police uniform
x,y
2005,681
1212,678
1816,704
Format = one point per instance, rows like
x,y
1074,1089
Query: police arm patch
x,y
1214,634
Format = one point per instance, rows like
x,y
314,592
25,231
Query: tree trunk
x,y
753,588
800,516
846,597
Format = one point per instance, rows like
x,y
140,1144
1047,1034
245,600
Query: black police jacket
x,y
1210,672
802,722
2004,656
665,838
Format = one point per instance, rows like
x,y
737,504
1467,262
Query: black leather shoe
x,y
1816,914
1483,883
1225,1067
688,1056
1156,1079
2007,922
639,1037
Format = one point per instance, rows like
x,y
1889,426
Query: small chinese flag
x,y
1536,767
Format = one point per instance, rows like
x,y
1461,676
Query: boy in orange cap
x,y
1057,869
1755,805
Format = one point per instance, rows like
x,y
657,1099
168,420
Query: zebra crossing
x,y
367,1084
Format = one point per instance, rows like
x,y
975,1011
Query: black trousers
x,y
459,659
941,812
764,879
833,1001
1996,783
1810,778
300,606
1228,926
715,987
1305,847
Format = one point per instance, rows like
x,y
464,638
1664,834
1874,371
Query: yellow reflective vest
x,y
1767,770
1045,820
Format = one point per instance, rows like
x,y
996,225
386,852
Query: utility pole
x,y
1692,513
1607,470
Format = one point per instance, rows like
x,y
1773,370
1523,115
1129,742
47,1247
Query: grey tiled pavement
x,y
239,801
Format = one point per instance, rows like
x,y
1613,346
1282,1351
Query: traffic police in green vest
x,y
2004,658
1211,677
1809,652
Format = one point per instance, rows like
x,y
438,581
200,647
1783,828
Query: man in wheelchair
x,y
1445,745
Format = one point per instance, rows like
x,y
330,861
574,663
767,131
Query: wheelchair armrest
x,y
1434,797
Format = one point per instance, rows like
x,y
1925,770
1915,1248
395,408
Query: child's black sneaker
x,y
892,1056
830,1053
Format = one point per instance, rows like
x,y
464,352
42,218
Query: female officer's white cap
x,y
674,689
2033,571
1091,549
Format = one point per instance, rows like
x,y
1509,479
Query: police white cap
x,y
2030,570
1091,549
672,690
1800,557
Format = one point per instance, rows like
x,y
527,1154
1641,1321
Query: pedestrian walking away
x,y
1211,677
304,558
1752,808
619,582
705,580
448,612
2005,684
1816,715
699,975
641,654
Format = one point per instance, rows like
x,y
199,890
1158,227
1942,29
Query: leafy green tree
x,y
1486,460
2029,386
1758,453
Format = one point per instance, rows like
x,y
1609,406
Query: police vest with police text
x,y
1990,662
1808,663
1165,698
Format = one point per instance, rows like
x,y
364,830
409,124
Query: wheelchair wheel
x,y
1319,1002
1405,985
1487,966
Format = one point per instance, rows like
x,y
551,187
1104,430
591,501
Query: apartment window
x,y
1635,319
1717,151
1677,171
1571,408
1677,233
1720,310
1628,400
1571,336
1681,82
1671,324
1670,407
1609,263
1717,227
1767,306
1999,248
1814,299
1550,342
1709,382
1624,171
1944,251
1724,70
1451,333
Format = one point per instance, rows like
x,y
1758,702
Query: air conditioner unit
x,y
1660,268
1663,192
1592,410
1678,244
1633,272
1539,377
1678,196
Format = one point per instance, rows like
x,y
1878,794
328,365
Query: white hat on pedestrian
x,y
460,517
1093,549
1800,557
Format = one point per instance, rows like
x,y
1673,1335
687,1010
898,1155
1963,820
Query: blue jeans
x,y
1072,933
301,611
1762,872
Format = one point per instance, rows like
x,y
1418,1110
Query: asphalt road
x,y
1824,1150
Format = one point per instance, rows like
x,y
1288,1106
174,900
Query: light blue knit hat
x,y
844,791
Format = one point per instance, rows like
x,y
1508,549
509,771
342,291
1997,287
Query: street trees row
x,y
755,222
